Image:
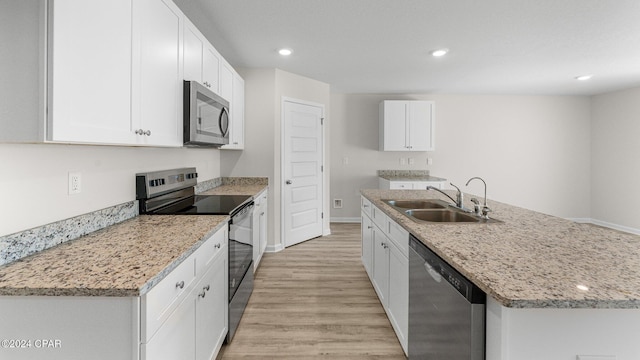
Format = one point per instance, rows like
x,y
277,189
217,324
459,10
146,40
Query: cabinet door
x,y
157,72
236,129
90,78
211,310
420,125
398,299
175,339
211,69
255,236
226,82
263,221
367,244
380,264
393,128
193,53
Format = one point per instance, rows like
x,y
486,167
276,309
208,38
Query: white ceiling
x,y
383,46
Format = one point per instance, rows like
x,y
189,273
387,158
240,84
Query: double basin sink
x,y
437,211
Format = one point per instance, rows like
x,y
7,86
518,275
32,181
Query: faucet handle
x,y
485,211
476,206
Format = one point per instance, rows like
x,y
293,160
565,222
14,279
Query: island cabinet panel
x,y
385,258
547,333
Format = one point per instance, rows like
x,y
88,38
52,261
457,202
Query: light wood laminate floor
x,y
315,301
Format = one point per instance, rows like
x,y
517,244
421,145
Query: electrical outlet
x,y
403,161
411,161
75,183
429,161
345,161
337,203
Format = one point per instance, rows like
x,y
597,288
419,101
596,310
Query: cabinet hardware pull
x,y
202,294
180,284
217,246
206,288
369,227
148,132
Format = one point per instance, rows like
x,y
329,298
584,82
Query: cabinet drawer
x,y
162,299
378,217
366,206
399,236
214,246
401,185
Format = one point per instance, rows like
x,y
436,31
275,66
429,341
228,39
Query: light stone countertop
x,y
252,189
126,259
531,260
411,178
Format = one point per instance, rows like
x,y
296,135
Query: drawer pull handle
x,y
180,284
206,288
217,246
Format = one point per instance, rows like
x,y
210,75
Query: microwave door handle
x,y
224,130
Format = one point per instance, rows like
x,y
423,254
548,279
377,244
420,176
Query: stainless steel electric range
x,y
172,192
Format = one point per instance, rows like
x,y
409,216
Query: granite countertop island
x,y
531,260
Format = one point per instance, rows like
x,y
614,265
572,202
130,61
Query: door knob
x,y
288,182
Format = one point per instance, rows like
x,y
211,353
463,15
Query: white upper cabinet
x,y
114,74
194,45
236,115
211,69
90,72
406,125
226,81
157,72
201,60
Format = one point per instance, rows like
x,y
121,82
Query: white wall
x,y
533,151
615,158
264,89
34,178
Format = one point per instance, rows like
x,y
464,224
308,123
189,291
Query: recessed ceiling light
x,y
439,52
285,52
583,77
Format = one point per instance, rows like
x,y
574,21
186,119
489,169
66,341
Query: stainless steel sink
x,y
435,211
417,204
442,216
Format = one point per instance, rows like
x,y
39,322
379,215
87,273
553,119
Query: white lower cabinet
x,y
385,257
198,325
408,185
367,244
211,310
259,228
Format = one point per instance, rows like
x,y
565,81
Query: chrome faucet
x,y
484,213
458,201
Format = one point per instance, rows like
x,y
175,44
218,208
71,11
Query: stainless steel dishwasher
x,y
446,311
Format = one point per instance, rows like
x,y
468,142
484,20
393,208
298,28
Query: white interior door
x,y
302,171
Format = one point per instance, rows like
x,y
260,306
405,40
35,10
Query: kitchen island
x,y
555,289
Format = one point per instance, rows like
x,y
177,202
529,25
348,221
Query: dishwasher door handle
x,y
432,272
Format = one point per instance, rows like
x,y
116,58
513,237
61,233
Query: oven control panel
x,y
151,184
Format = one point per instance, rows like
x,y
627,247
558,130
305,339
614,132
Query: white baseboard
x,y
607,225
274,248
346,219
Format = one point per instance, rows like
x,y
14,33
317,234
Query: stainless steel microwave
x,y
206,117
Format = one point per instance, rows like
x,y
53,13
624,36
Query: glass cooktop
x,y
204,205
